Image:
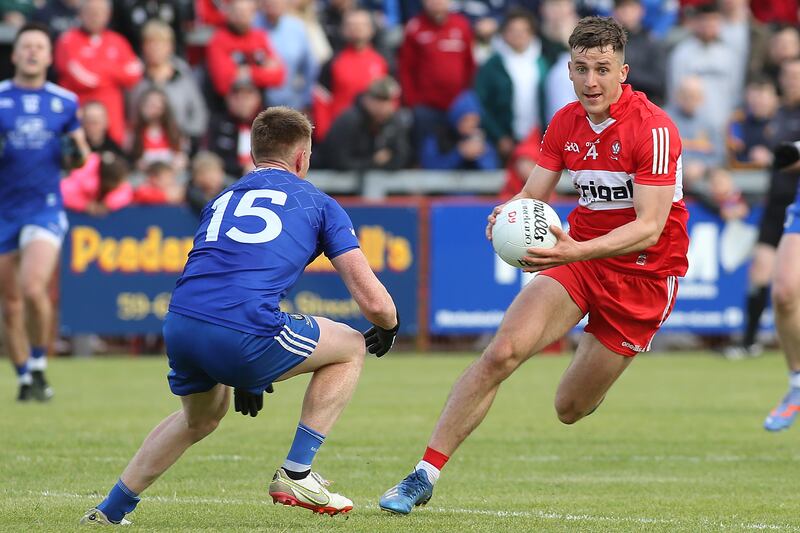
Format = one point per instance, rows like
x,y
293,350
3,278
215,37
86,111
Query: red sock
x,y
436,458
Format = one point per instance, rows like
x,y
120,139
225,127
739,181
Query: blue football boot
x,y
415,489
784,414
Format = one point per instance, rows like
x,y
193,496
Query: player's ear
x,y
569,70
623,73
298,160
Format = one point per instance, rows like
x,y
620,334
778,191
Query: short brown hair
x,y
276,131
598,32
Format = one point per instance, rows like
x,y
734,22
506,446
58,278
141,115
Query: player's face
x,y
597,74
32,54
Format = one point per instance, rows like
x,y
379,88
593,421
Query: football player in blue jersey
x,y
225,327
38,120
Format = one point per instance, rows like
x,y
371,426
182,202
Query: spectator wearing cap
x,y
165,71
510,84
704,54
15,13
94,120
288,36
239,52
229,131
98,64
354,67
372,134
644,53
460,143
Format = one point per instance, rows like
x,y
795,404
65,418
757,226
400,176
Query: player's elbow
x,y
379,309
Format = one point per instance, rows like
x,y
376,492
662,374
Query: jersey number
x,y
246,208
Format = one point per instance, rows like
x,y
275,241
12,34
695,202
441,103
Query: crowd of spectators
x,y
168,88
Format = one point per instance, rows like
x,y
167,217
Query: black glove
x,y
786,154
71,155
379,340
247,403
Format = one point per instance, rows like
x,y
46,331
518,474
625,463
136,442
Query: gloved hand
x,y
248,403
786,154
71,155
380,340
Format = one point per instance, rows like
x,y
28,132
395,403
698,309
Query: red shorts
x,y
625,311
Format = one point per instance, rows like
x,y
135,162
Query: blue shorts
x,y
791,224
202,354
49,224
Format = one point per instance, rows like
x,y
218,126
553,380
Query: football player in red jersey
x,y
618,264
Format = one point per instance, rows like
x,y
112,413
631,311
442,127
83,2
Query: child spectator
x,y
725,196
460,143
98,187
155,135
520,165
747,134
160,187
207,181
94,120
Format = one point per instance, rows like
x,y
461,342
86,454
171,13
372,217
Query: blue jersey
x,y
253,242
32,123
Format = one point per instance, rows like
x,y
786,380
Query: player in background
x,y
39,131
225,327
619,262
784,128
786,289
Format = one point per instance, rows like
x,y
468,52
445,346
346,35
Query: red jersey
x,y
435,60
98,67
637,144
351,73
226,51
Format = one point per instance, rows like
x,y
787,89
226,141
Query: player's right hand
x,y
246,402
492,218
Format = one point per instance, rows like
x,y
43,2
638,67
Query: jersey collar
x,y
618,108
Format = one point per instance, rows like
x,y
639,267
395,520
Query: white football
x,y
522,224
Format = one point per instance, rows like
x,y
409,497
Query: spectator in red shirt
x,y
435,64
240,52
99,186
351,70
97,64
229,131
155,135
160,187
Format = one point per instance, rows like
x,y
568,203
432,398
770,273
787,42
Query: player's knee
x,y
13,309
501,359
34,290
784,296
202,427
568,410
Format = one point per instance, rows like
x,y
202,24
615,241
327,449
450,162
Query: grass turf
x,y
677,446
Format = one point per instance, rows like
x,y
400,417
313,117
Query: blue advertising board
x,y
118,271
470,287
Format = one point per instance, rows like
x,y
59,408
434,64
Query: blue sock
x,y
23,374
305,446
120,501
37,352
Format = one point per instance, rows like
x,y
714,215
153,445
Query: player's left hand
x,y
380,340
248,403
71,155
566,250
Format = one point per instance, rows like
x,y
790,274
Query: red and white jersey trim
x,y
660,151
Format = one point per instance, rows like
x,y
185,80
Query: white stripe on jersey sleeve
x,y
655,150
660,150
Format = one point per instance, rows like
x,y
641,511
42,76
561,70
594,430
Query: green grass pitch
x,y
677,446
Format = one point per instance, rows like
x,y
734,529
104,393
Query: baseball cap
x,y
385,88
